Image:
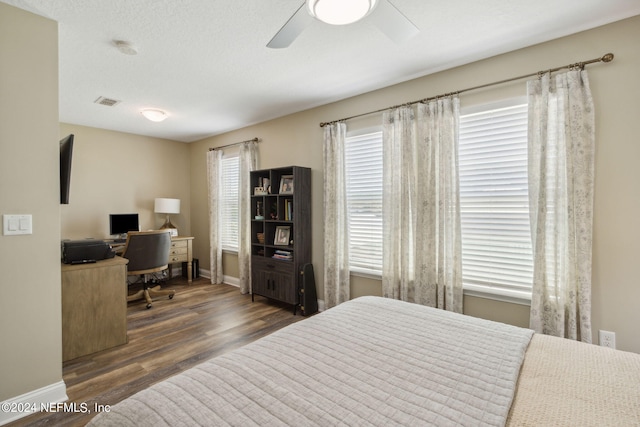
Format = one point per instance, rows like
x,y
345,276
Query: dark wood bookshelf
x,y
280,231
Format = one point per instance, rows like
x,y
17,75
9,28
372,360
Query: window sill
x,y
366,274
513,297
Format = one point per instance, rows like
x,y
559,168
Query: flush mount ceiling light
x,y
154,115
340,12
125,47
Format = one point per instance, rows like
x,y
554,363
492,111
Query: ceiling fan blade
x,y
393,23
292,29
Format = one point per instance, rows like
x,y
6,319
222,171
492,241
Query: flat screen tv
x,y
120,224
66,153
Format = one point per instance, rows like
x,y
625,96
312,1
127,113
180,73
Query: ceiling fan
x,y
382,13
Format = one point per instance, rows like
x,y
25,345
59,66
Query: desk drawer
x,y
178,258
178,251
179,244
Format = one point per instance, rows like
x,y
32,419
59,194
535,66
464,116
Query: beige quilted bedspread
x,y
568,383
378,362
368,362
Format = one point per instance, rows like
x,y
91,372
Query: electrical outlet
x,y
607,339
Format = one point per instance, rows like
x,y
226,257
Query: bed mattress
x,y
379,362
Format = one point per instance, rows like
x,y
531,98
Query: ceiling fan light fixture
x,y
340,12
154,115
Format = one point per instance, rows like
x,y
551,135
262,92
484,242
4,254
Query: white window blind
x,y
363,158
494,201
230,202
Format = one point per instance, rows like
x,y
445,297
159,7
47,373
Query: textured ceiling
x,y
207,64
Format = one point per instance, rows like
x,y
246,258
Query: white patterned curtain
x,y
214,178
248,162
336,233
422,260
561,182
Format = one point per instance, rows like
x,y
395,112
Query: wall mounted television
x,y
66,153
120,224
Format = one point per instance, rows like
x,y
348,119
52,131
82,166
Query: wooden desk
x,y
182,251
94,307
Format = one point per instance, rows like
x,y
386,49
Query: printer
x,y
85,251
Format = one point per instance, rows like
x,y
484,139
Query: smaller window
x,y
494,202
363,160
230,202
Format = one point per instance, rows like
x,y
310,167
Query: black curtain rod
x,y
605,58
235,143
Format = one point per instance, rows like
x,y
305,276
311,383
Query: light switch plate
x,y
16,224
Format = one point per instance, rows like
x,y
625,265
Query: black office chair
x,y
148,252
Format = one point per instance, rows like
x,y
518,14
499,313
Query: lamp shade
x,y
167,206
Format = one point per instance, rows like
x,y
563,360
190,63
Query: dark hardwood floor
x,y
202,321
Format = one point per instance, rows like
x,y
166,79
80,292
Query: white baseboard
x,y
24,405
230,280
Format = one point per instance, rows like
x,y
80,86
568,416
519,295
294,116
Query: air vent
x,y
106,101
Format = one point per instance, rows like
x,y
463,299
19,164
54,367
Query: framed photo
x,y
282,236
286,184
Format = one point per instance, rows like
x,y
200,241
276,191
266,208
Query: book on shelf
x,y
284,255
288,210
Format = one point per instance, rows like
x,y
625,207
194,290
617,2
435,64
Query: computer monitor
x,y
120,224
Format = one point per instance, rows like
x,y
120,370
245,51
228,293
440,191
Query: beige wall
x,y
106,165
114,172
297,139
30,331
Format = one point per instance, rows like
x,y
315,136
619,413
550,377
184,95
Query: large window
x,y
496,238
363,158
230,202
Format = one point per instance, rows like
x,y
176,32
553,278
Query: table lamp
x,y
167,207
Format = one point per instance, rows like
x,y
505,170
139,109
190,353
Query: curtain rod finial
x,y
607,58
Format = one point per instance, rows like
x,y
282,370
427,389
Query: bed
x,y
380,362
